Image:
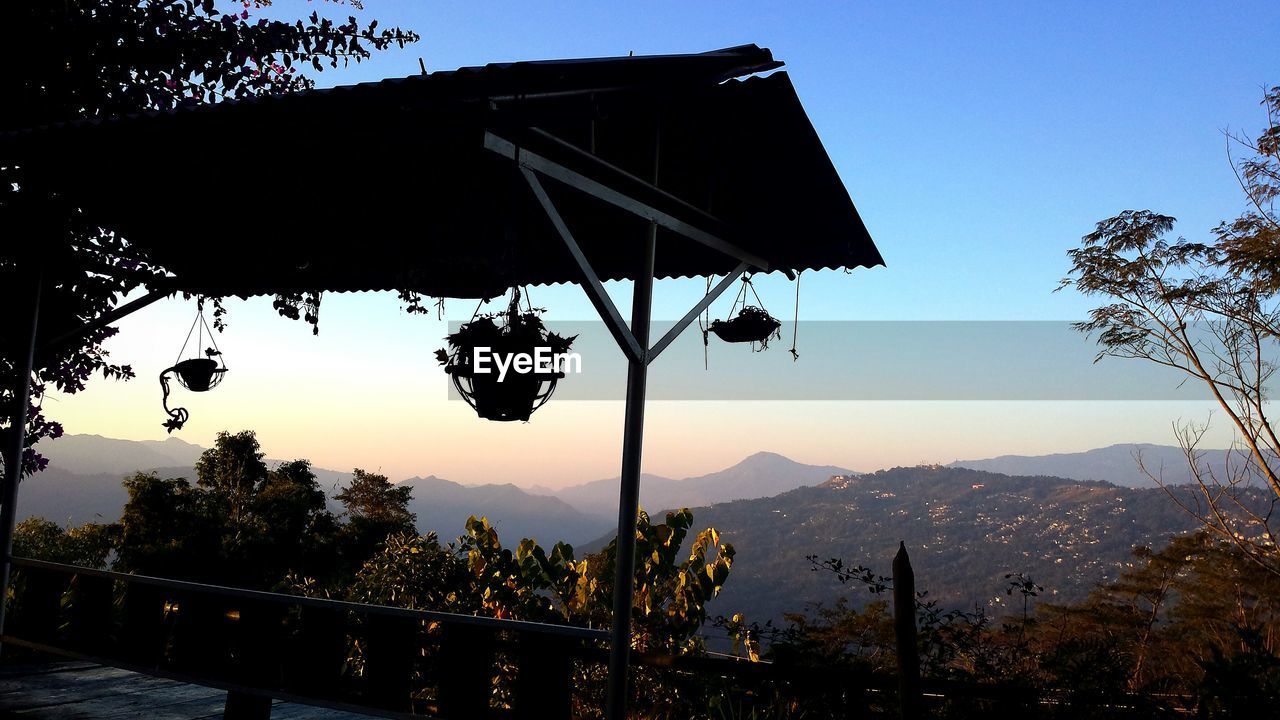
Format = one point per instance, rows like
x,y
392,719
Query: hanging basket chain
x,y
704,323
748,284
200,327
196,374
188,340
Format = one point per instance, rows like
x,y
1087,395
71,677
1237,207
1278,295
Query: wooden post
x,y
90,623
904,631
246,706
143,632
466,671
390,646
544,680
316,654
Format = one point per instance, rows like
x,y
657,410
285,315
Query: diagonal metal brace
x,y
689,317
107,318
591,282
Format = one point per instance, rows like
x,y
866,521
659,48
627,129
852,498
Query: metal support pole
x,y
629,495
13,464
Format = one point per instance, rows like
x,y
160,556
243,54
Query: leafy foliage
x,y
233,469
415,571
476,574
87,545
530,583
671,594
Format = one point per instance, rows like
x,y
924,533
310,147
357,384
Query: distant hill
x,y
83,481
93,454
760,475
964,528
1115,464
73,499
444,506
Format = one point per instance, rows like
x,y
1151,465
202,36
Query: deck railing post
x,y
629,495
390,646
466,672
18,443
544,679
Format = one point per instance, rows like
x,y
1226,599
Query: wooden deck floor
x,y
63,690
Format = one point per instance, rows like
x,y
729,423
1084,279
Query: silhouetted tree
x,y
289,502
240,524
233,471
373,508
170,529
1210,311
293,530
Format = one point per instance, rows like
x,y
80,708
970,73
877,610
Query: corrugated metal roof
x,y
386,185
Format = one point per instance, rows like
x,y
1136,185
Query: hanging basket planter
x,y
197,374
752,325
476,349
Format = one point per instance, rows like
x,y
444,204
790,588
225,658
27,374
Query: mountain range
x,y
1068,520
1115,464
83,484
759,475
965,530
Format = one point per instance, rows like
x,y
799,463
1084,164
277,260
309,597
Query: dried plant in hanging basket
x,y
751,325
515,395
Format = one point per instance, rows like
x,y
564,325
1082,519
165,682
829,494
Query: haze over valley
x,y
1069,520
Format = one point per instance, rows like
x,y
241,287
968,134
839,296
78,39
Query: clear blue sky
x,y
978,140
979,143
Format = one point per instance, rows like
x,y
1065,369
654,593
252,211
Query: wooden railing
x,y
261,645
411,663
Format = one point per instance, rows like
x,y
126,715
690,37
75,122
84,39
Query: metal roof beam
x,y
590,281
640,198
108,317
